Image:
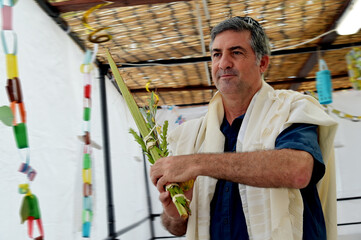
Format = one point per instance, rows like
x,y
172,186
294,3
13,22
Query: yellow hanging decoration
x,y
92,38
341,114
353,59
147,88
12,66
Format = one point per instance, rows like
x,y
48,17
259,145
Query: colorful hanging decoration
x,y
87,157
92,35
6,116
30,211
353,59
86,69
155,95
323,83
16,118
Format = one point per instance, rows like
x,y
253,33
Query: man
x,y
256,156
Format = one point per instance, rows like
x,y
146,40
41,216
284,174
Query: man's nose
x,y
225,62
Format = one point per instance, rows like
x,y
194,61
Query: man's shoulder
x,y
292,97
289,93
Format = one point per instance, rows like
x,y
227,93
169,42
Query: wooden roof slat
x,y
83,5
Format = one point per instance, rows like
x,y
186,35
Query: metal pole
x,y
103,69
149,202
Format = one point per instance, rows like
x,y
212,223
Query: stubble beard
x,y
231,85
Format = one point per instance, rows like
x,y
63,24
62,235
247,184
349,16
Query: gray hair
x,y
259,40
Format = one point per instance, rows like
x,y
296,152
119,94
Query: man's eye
x,y
216,54
237,53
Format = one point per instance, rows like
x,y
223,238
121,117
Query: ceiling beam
x,y
326,40
83,5
205,87
193,60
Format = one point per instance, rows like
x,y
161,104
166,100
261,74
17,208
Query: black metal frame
x,y
106,150
349,199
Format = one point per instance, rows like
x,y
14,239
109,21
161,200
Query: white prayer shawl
x,y
271,213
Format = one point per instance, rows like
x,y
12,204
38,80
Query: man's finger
x,y
164,197
154,176
161,184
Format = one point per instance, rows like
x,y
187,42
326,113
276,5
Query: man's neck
x,y
234,108
236,105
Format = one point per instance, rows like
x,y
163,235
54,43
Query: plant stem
x,y
134,110
181,202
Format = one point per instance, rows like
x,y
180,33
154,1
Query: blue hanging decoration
x,y
323,83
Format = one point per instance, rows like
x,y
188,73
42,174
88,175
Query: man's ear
x,y
264,63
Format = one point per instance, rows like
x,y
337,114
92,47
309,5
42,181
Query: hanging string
x,y
305,42
30,210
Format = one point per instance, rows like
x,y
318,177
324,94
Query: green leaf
x,y
138,139
150,158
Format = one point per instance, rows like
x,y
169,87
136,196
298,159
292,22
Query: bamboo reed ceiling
x,y
177,32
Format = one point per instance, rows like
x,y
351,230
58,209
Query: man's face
x,y
235,69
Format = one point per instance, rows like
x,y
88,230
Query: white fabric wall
x,y
348,163
49,71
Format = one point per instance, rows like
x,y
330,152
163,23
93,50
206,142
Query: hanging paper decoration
x,y
86,69
30,211
6,115
155,95
87,157
353,59
92,36
15,116
323,83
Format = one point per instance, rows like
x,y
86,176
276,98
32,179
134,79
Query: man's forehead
x,y
230,39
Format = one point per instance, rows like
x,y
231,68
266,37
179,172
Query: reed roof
x,y
166,42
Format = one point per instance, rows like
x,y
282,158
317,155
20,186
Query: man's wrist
x,y
175,225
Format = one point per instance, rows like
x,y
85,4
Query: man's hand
x,y
163,172
173,169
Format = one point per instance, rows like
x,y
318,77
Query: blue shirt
x,y
227,217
